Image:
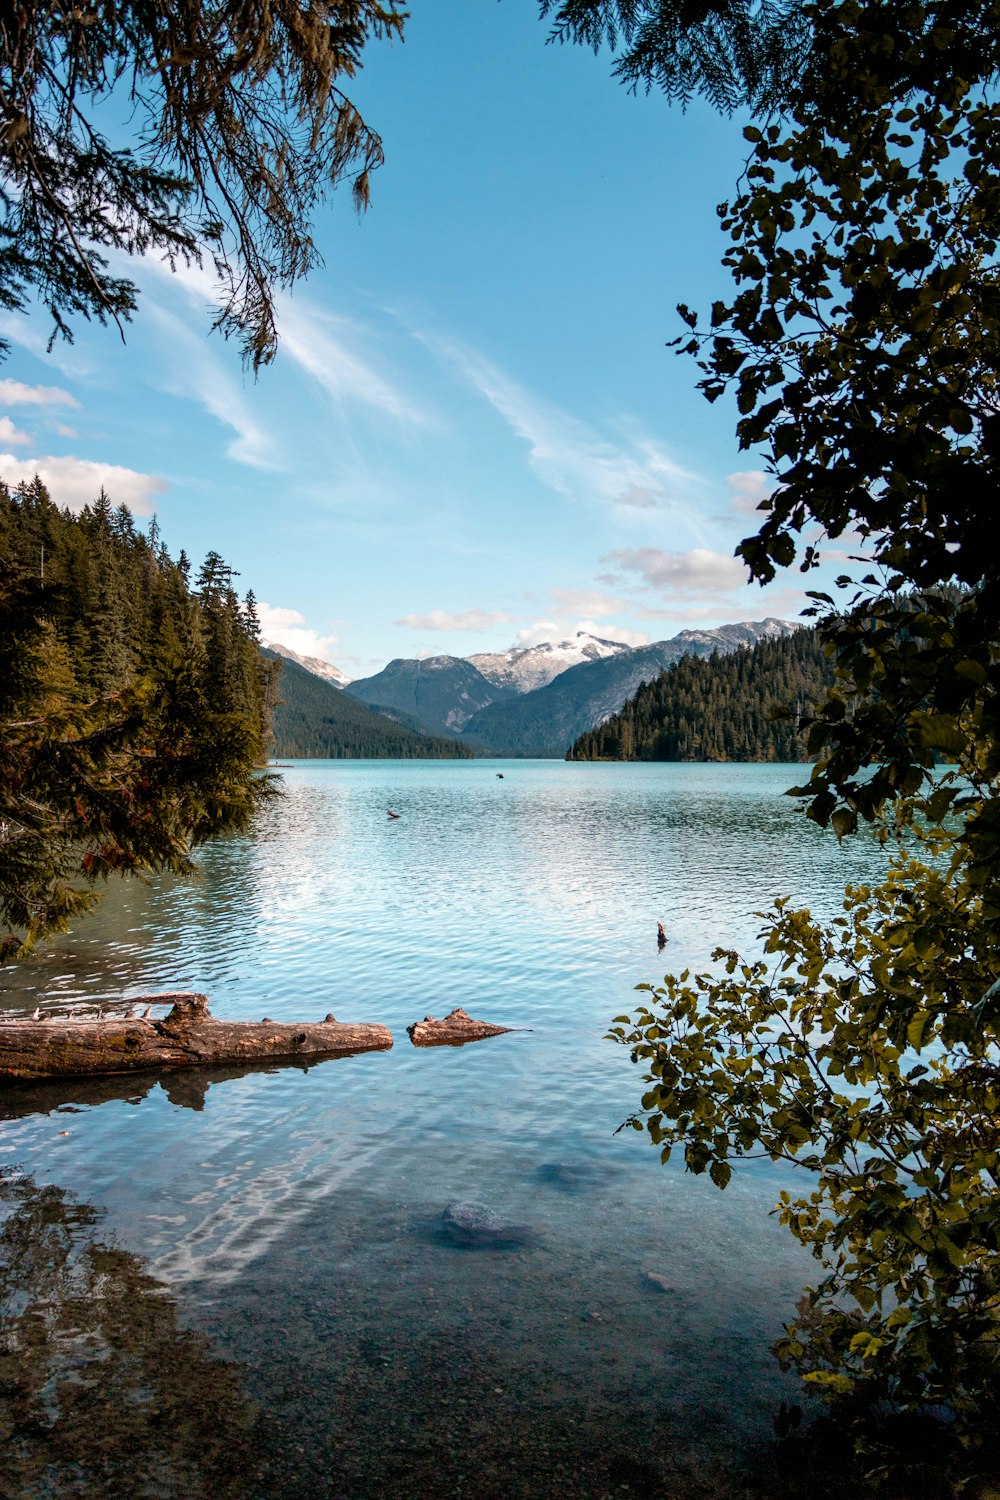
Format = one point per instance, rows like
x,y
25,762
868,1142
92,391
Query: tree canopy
x,y
191,130
133,708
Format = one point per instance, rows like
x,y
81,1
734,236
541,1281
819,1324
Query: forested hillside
x,y
134,705
312,718
720,708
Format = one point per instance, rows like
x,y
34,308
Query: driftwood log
x,y
453,1030
60,1047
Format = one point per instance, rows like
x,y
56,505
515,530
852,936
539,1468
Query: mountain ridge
x,y
547,721
314,664
583,681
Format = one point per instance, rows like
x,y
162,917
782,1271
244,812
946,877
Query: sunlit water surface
x,y
293,1217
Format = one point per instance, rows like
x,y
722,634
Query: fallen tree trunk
x,y
188,1037
453,1030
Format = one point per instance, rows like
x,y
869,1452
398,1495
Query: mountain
x,y
719,709
443,692
524,668
547,721
315,719
312,664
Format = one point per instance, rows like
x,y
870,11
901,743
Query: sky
x,y
474,434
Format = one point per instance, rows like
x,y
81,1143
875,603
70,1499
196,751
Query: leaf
x,y
917,1029
720,1173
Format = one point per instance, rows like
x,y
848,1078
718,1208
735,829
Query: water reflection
x,y
102,1390
185,1089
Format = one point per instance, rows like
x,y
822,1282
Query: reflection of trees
x,y
102,1392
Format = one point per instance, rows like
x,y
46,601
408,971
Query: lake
x,y
227,1284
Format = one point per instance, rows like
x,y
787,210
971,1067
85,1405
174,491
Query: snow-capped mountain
x,y
524,668
312,664
548,719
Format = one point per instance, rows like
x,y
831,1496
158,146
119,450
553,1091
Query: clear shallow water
x,y
292,1218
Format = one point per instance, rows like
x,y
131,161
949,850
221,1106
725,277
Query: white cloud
x,y
569,456
66,432
698,571
75,482
748,488
289,628
470,619
15,393
11,434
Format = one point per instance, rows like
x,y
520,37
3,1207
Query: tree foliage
x,y
861,345
133,709
236,125
734,52
744,706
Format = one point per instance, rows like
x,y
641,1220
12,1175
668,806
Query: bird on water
x,y
661,935
393,815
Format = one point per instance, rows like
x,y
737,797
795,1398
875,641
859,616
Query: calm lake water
x,y
238,1284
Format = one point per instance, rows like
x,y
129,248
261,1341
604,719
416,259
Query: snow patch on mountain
x,y
312,664
522,669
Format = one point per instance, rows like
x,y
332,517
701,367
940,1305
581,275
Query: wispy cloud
x,y
322,345
698,571
16,393
194,371
469,619
565,453
75,482
318,342
26,332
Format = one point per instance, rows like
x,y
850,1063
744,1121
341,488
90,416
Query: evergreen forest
x,y
134,706
744,706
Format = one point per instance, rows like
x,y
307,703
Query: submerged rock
x,y
467,1222
660,1282
577,1176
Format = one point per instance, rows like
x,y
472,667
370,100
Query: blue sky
x,y
473,434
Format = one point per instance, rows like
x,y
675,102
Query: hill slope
x,y
315,719
718,709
